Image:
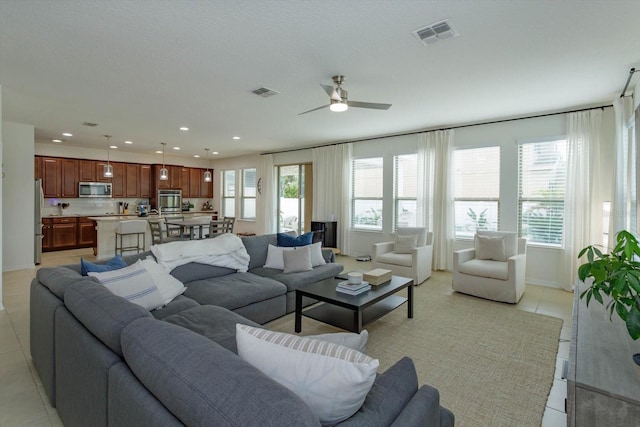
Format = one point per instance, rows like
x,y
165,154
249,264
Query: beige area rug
x,y
492,363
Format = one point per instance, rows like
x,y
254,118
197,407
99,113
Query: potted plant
x,y
616,275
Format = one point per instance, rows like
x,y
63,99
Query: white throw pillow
x,y
297,260
332,379
316,254
169,286
491,248
352,340
132,283
405,244
275,258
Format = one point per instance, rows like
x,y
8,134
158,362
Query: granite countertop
x,y
120,216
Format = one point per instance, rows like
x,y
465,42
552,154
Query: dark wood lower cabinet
x,y
68,233
64,234
47,232
87,234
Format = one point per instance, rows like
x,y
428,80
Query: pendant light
x,y
207,174
108,169
164,173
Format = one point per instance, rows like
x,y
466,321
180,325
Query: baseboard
x,y
18,267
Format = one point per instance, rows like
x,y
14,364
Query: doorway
x,y
295,198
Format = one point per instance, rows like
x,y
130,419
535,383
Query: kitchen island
x,y
106,231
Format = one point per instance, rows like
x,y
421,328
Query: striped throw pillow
x,y
132,283
332,379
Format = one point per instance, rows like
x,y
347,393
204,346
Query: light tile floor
x,y
23,401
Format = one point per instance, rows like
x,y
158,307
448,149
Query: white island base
x,y
106,235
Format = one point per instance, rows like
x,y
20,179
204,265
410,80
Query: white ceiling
x,y
143,68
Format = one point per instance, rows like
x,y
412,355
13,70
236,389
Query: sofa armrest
x,y
422,259
516,266
422,410
382,248
461,256
328,255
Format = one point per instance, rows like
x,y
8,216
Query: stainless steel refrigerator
x,y
37,221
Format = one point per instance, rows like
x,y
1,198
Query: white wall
x,y
18,196
1,192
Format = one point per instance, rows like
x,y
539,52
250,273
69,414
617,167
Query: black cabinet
x,y
325,232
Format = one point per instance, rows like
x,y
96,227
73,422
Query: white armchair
x,y
494,269
410,255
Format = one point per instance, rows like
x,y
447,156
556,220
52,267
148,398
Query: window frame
x,y
355,199
396,199
244,197
227,200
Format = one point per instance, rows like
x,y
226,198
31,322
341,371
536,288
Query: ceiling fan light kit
x,y
339,99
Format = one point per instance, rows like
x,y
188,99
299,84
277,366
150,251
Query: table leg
x,y
357,321
298,311
410,301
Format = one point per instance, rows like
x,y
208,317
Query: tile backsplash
x,y
100,206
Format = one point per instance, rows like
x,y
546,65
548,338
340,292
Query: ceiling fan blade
x,y
372,105
315,109
331,91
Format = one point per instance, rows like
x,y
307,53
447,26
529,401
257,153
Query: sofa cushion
x,y
488,247
196,271
289,241
234,290
332,379
101,312
134,284
216,323
257,248
180,303
390,393
58,279
485,268
421,232
203,384
114,263
395,258
275,256
297,260
510,240
405,244
168,286
294,281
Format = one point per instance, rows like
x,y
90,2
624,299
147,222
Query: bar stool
x,y
129,228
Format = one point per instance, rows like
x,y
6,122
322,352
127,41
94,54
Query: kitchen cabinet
x,y
64,233
99,166
132,179
47,231
118,181
145,181
175,177
184,179
51,177
195,176
87,170
86,233
37,168
68,178
206,188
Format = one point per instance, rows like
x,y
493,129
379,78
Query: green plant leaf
x,y
622,311
597,296
633,323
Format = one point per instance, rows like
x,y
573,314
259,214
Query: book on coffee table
x,y
358,291
345,284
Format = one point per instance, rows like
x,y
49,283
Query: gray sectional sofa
x,y
105,361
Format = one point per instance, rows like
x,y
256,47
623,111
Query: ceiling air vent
x,y
91,125
435,32
264,92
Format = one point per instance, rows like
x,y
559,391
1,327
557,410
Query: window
x,y
476,190
542,172
366,181
405,179
229,193
292,197
249,193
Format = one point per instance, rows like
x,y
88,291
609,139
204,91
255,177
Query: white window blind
x,y
405,179
476,190
229,193
249,193
542,180
366,190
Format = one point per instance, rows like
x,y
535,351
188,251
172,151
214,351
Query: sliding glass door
x,y
294,198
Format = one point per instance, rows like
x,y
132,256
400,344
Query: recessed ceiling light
x,y
158,151
176,148
196,155
236,137
56,140
214,152
113,146
67,134
128,142
184,128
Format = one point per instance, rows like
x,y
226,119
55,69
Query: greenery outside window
x,y
366,190
476,190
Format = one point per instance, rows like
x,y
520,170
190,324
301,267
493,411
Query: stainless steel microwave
x,y
94,189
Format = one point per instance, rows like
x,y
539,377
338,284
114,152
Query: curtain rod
x,y
373,138
631,71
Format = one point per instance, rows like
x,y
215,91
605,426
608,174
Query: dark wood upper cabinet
x,y
156,178
132,179
184,179
119,180
195,177
69,178
206,188
145,181
51,177
175,177
87,170
99,165
37,168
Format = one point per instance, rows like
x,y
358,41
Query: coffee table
x,y
352,312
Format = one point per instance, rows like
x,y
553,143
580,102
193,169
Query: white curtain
x,y
435,194
618,219
269,192
331,190
583,132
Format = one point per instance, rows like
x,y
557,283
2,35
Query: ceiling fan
x,y
339,100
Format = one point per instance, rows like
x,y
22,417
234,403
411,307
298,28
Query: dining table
x,y
190,225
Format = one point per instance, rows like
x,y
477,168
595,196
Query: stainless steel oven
x,y
169,201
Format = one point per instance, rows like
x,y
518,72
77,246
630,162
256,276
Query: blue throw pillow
x,y
114,263
289,241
